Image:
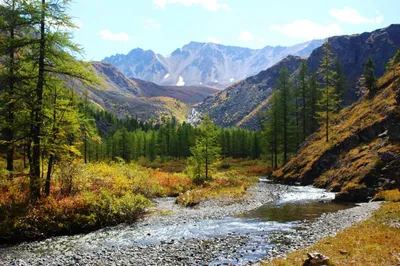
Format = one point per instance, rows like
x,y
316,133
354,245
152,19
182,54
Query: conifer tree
x,y
205,152
313,96
286,105
340,82
369,76
329,98
303,86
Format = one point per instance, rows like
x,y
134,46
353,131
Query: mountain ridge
x,y
352,51
204,64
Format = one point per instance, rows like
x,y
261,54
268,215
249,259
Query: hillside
x,y
126,97
186,94
204,64
238,104
363,155
352,51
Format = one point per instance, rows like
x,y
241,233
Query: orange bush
x,y
259,170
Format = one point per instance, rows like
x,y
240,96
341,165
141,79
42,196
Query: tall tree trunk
x,y
327,115
9,131
37,114
304,110
48,176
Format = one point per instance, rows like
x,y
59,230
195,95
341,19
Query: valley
x,y
271,137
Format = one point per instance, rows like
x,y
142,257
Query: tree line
x,y
130,139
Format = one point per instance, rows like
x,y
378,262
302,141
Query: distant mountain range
x,y
242,103
204,64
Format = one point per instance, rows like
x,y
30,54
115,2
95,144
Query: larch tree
x,y
303,87
54,62
205,152
369,75
313,96
286,105
329,98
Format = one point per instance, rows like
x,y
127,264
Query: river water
x,y
291,211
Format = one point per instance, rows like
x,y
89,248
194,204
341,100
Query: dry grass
x,y
369,243
389,195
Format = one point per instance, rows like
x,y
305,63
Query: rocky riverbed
x,y
263,225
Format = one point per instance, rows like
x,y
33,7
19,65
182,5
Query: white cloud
x,y
211,5
213,40
350,15
307,30
109,36
150,24
246,36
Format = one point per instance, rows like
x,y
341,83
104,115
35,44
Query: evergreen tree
x,y
286,105
369,76
312,105
340,82
272,128
329,99
205,152
303,85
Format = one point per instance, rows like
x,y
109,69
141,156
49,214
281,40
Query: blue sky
x,y
110,27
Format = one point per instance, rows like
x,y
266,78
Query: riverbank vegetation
x,y
85,197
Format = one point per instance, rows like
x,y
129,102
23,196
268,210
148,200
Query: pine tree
x,y
303,85
329,99
52,59
313,96
286,105
205,152
369,76
14,23
340,82
272,128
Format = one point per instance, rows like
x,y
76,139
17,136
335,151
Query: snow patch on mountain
x,y
180,82
214,64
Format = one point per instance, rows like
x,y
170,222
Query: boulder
x,y
316,259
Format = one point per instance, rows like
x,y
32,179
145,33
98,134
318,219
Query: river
x,y
274,220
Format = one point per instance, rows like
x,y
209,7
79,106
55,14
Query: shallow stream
x,y
259,230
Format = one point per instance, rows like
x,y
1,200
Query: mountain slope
x,y
124,97
208,64
352,51
186,94
238,104
363,155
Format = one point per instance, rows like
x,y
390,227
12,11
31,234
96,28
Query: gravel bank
x,y
114,246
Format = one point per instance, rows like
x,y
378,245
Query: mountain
x,y
238,104
363,155
204,64
138,98
241,103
